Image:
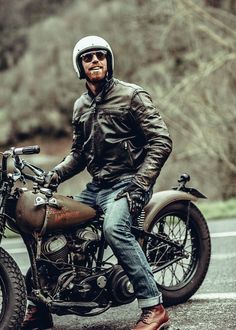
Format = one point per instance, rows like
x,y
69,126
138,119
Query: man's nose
x,y
94,58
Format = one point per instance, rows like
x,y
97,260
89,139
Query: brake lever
x,y
37,170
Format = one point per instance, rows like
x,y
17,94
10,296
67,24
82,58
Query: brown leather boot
x,y
153,318
37,318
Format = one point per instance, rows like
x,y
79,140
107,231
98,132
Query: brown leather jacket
x,y
117,133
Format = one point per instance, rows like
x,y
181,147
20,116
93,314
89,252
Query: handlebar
x,y
29,150
21,164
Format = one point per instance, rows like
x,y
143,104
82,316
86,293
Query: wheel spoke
x,y
173,227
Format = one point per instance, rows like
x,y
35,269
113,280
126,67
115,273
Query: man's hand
x,y
135,197
52,180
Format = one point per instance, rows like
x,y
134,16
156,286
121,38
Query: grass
x,y
218,209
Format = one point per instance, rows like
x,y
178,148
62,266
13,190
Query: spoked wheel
x,y
12,293
180,268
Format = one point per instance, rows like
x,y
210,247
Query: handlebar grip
x,y
27,150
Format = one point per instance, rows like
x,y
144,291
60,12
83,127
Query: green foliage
x,y
219,209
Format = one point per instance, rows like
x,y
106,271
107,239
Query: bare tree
x,y
213,3
204,99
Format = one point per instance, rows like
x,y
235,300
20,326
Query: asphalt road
x,y
213,307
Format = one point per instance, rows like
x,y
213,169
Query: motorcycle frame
x,y
157,203
140,233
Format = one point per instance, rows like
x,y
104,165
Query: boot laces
x,y
145,315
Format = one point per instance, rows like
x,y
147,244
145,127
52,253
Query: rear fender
x,y
161,199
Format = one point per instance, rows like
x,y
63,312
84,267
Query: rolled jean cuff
x,y
149,302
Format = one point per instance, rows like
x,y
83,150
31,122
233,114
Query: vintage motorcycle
x,y
72,270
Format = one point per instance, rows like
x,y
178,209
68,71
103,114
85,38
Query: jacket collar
x,y
102,94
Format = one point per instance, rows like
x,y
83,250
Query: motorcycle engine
x,y
55,248
120,287
79,248
70,275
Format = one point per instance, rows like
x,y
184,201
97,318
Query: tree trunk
x,y
213,3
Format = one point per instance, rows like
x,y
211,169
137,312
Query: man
x,y
121,138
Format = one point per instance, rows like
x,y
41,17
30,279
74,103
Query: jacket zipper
x,y
126,146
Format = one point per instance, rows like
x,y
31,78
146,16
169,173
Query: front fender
x,y
161,199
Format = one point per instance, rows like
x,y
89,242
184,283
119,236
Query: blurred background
x,y
181,52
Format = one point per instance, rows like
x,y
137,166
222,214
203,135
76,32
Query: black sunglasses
x,y
88,57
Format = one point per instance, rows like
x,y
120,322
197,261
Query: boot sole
x,y
164,326
38,327
47,328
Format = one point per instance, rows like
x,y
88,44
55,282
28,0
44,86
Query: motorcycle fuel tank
x,y
36,213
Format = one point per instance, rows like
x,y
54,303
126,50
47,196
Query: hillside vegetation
x,y
182,52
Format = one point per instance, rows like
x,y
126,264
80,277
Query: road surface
x,y
213,307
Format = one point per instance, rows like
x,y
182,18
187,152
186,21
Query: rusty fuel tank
x,y
36,213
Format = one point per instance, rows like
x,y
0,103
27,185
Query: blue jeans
x,y
117,225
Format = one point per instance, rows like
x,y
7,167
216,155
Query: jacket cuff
x,y
141,184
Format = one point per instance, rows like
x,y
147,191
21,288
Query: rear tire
x,y
12,293
180,280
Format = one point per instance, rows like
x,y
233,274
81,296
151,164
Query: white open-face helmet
x,y
90,43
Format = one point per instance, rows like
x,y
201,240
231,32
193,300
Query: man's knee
x,y
110,231
114,233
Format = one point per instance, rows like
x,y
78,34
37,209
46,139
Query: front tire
x,y
179,280
12,293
